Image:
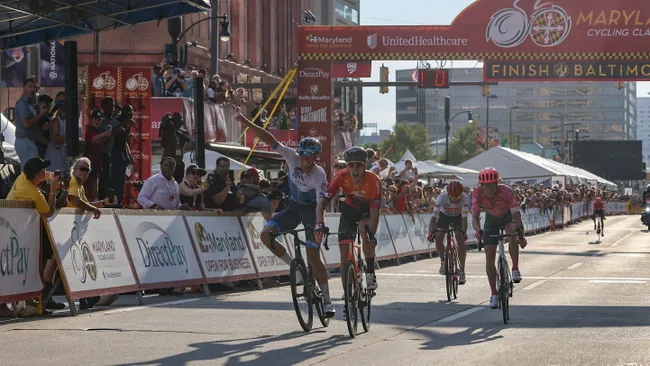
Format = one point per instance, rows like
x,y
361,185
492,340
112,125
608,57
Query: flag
x,y
415,75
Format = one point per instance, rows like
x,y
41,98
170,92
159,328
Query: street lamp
x,y
514,108
487,120
470,119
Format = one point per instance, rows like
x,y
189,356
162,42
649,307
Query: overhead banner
x,y
566,70
315,107
497,30
160,248
352,69
20,252
222,247
91,254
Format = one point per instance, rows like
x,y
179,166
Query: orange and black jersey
x,y
365,193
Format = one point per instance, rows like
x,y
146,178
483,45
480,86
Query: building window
x,y
347,12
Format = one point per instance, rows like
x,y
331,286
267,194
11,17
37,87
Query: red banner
x,y
352,69
136,91
285,137
498,30
315,107
159,107
100,82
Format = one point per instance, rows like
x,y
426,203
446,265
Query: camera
x,y
308,17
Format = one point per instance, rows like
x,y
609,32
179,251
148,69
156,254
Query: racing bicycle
x,y
452,264
505,285
308,290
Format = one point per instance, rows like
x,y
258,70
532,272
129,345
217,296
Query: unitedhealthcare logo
x,y
372,41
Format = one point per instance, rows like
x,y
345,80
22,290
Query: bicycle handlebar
x,y
295,235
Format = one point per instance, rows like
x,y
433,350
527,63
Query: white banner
x,y
161,250
399,234
91,254
222,248
268,265
20,253
385,248
332,256
418,237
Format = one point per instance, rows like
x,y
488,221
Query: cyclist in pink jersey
x,y
501,210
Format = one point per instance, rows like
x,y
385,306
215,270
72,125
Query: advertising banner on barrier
x,y
332,256
418,237
267,264
385,247
20,252
91,254
160,248
222,248
399,234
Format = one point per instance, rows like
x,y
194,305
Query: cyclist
x,y
501,209
307,182
362,190
646,195
451,208
599,212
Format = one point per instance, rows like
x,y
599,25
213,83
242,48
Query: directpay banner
x,y
222,248
161,250
91,254
20,247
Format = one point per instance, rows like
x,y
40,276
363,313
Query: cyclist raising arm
x,y
451,207
307,183
362,189
501,209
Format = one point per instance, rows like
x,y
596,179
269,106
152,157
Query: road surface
x,y
580,303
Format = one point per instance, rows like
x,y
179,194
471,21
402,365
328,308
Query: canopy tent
x,y
25,23
518,165
468,176
425,169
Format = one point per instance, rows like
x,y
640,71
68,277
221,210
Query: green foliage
x,y
406,137
463,145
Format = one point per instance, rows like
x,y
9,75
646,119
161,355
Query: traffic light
x,y
383,78
171,54
486,90
447,108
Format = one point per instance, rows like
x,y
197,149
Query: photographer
x,y
174,137
222,193
176,84
56,148
43,127
158,82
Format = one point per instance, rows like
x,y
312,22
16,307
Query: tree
x,y
373,146
462,146
404,137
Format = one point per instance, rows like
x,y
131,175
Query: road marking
x,y
459,315
621,239
558,278
616,281
575,265
533,285
168,303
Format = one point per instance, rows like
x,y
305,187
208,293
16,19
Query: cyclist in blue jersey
x,y
307,183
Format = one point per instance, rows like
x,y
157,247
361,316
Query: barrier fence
x,y
130,250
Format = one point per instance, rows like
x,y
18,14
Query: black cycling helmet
x,y
355,153
309,147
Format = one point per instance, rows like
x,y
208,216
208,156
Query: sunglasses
x,y
84,169
356,164
308,154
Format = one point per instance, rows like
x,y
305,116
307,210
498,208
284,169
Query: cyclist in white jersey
x,y
452,207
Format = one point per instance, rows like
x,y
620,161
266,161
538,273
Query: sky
x,y
380,108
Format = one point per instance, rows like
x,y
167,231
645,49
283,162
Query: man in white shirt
x,y
161,192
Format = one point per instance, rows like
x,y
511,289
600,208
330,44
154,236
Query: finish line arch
x,y
604,41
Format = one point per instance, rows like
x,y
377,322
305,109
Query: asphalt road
x,y
580,303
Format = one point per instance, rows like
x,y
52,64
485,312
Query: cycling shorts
x,y
294,215
598,213
492,226
350,218
445,221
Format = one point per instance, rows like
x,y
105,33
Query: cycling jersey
x,y
500,205
304,188
599,204
365,193
445,206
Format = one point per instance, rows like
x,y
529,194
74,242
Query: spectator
x,y
176,84
409,170
95,140
191,189
43,126
121,154
109,124
56,149
173,138
25,188
254,200
27,120
161,192
157,82
222,193
212,91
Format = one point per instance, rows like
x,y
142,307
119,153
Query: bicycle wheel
x,y
318,300
365,298
449,273
351,300
302,294
503,290
456,272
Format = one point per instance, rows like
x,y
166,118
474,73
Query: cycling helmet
x,y
455,189
355,153
309,147
488,175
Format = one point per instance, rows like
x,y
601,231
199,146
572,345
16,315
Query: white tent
x,y
468,176
517,165
426,169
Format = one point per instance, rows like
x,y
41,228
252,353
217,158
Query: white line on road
x,y
558,278
459,315
533,285
621,239
168,303
616,281
575,265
